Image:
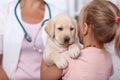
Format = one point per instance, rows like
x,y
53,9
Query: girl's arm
x,y
3,75
50,72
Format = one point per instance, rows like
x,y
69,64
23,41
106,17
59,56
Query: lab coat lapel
x,y
13,38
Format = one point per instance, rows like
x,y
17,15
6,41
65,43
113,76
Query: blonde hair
x,y
100,17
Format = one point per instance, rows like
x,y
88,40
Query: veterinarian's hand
x,y
60,61
74,51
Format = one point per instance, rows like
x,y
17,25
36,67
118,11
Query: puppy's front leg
x,y
74,50
55,58
60,61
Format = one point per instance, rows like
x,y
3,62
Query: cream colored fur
x,y
58,28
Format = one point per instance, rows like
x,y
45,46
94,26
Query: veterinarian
x,y
22,38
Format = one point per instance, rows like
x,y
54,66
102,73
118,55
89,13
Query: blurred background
x,y
73,7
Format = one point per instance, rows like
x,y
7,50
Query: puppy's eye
x,y
60,29
71,29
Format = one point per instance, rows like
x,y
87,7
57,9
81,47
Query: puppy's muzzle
x,y
66,40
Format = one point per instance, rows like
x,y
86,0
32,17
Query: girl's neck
x,y
89,39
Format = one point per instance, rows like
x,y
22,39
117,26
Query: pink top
x,y
93,64
28,67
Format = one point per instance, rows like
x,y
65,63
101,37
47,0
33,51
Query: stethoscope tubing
x,y
26,35
50,15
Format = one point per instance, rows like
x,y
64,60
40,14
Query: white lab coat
x,y
13,35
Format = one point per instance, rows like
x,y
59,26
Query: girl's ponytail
x,y
116,11
117,39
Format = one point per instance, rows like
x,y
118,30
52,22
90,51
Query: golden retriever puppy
x,y
62,36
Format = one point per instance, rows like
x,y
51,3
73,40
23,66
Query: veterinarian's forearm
x,y
3,75
50,73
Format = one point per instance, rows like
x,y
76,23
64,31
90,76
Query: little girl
x,y
99,23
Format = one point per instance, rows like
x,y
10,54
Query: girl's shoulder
x,y
93,51
93,54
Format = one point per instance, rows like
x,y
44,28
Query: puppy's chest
x,y
62,50
59,49
54,47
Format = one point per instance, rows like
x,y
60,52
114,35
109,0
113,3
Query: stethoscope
x,y
26,35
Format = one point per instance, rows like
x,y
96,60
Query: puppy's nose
x,y
66,39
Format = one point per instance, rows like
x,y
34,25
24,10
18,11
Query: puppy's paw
x,y
74,51
60,62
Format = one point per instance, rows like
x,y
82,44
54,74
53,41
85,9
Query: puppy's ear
x,y
50,29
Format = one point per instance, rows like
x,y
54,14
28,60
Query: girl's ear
x,y
85,29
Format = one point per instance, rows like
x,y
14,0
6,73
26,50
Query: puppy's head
x,y
62,29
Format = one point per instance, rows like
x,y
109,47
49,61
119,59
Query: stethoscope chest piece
x,y
28,38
